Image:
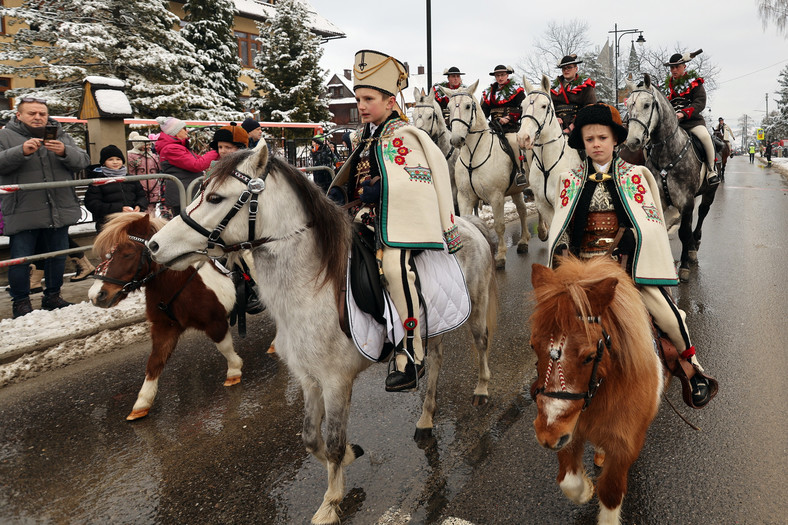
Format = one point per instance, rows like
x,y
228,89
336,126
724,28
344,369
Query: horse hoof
x,y
357,451
500,264
692,255
684,274
230,381
599,458
271,349
137,414
522,248
422,434
479,400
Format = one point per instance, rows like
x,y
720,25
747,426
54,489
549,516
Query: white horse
x,y
541,133
483,170
300,242
427,116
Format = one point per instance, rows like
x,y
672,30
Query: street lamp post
x,y
616,32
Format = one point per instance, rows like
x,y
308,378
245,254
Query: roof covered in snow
x,y
263,10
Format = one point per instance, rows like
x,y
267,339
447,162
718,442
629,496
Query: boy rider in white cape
x,y
604,194
396,182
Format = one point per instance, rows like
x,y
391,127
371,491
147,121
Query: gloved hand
x,y
371,193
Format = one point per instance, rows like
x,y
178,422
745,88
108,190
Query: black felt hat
x,y
453,70
501,69
597,114
569,60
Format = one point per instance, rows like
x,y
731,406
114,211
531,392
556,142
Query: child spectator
x,y
142,160
102,200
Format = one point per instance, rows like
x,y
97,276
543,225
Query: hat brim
x,y
507,71
561,66
576,136
668,64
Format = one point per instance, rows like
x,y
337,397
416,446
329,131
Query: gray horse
x,y
300,242
427,116
681,174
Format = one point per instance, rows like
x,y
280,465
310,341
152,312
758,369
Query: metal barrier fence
x,y
12,188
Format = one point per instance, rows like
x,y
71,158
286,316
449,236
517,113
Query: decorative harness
x,y
539,127
431,132
137,281
663,172
254,187
470,167
555,356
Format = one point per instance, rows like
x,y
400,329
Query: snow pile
x,y
42,327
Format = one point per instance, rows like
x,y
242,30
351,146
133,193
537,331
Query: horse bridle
x,y
138,280
473,112
540,125
593,382
431,132
254,187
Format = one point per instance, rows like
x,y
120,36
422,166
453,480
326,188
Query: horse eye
x,y
467,106
588,359
214,198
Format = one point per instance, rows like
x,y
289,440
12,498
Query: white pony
x,y
483,170
300,242
428,117
541,133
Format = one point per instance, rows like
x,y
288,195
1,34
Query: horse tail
x,y
492,288
492,238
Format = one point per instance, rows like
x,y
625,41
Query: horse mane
x,y
116,231
330,223
626,320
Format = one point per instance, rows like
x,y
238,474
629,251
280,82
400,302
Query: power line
x,y
748,74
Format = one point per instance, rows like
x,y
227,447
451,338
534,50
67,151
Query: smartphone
x,y
50,132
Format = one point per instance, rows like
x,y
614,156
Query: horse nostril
x,y
153,246
562,441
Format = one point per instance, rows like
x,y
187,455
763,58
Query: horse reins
x,y
539,127
254,187
470,167
593,382
136,281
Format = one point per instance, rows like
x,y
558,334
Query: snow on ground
x,y
67,335
61,337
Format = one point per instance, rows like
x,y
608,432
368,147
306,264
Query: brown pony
x,y
599,379
199,298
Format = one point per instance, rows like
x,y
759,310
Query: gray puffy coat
x,y
36,209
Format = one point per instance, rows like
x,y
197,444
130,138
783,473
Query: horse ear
x,y
472,88
417,94
540,275
545,83
527,85
647,80
631,85
259,156
601,294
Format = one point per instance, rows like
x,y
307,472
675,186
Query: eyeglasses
x,y
33,99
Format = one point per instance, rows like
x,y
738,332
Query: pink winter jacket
x,y
177,159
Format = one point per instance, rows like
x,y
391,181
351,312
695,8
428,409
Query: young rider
x,y
502,105
605,193
686,92
570,92
396,182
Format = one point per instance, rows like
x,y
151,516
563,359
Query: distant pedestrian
x,y
142,160
752,153
768,153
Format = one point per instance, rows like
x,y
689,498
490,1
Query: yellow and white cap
x,y
376,70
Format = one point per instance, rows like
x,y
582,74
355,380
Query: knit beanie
x,y
250,124
137,142
170,125
111,151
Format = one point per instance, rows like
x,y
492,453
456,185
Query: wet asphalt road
x,y
210,454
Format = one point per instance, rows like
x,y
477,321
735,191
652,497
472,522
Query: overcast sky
x,y
477,35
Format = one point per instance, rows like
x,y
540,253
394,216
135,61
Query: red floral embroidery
x,y
564,201
566,183
403,151
397,142
639,198
636,179
641,189
399,160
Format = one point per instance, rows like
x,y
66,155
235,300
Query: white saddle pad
x,y
447,304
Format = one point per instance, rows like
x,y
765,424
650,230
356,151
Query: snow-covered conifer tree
x,y
133,40
210,30
289,86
